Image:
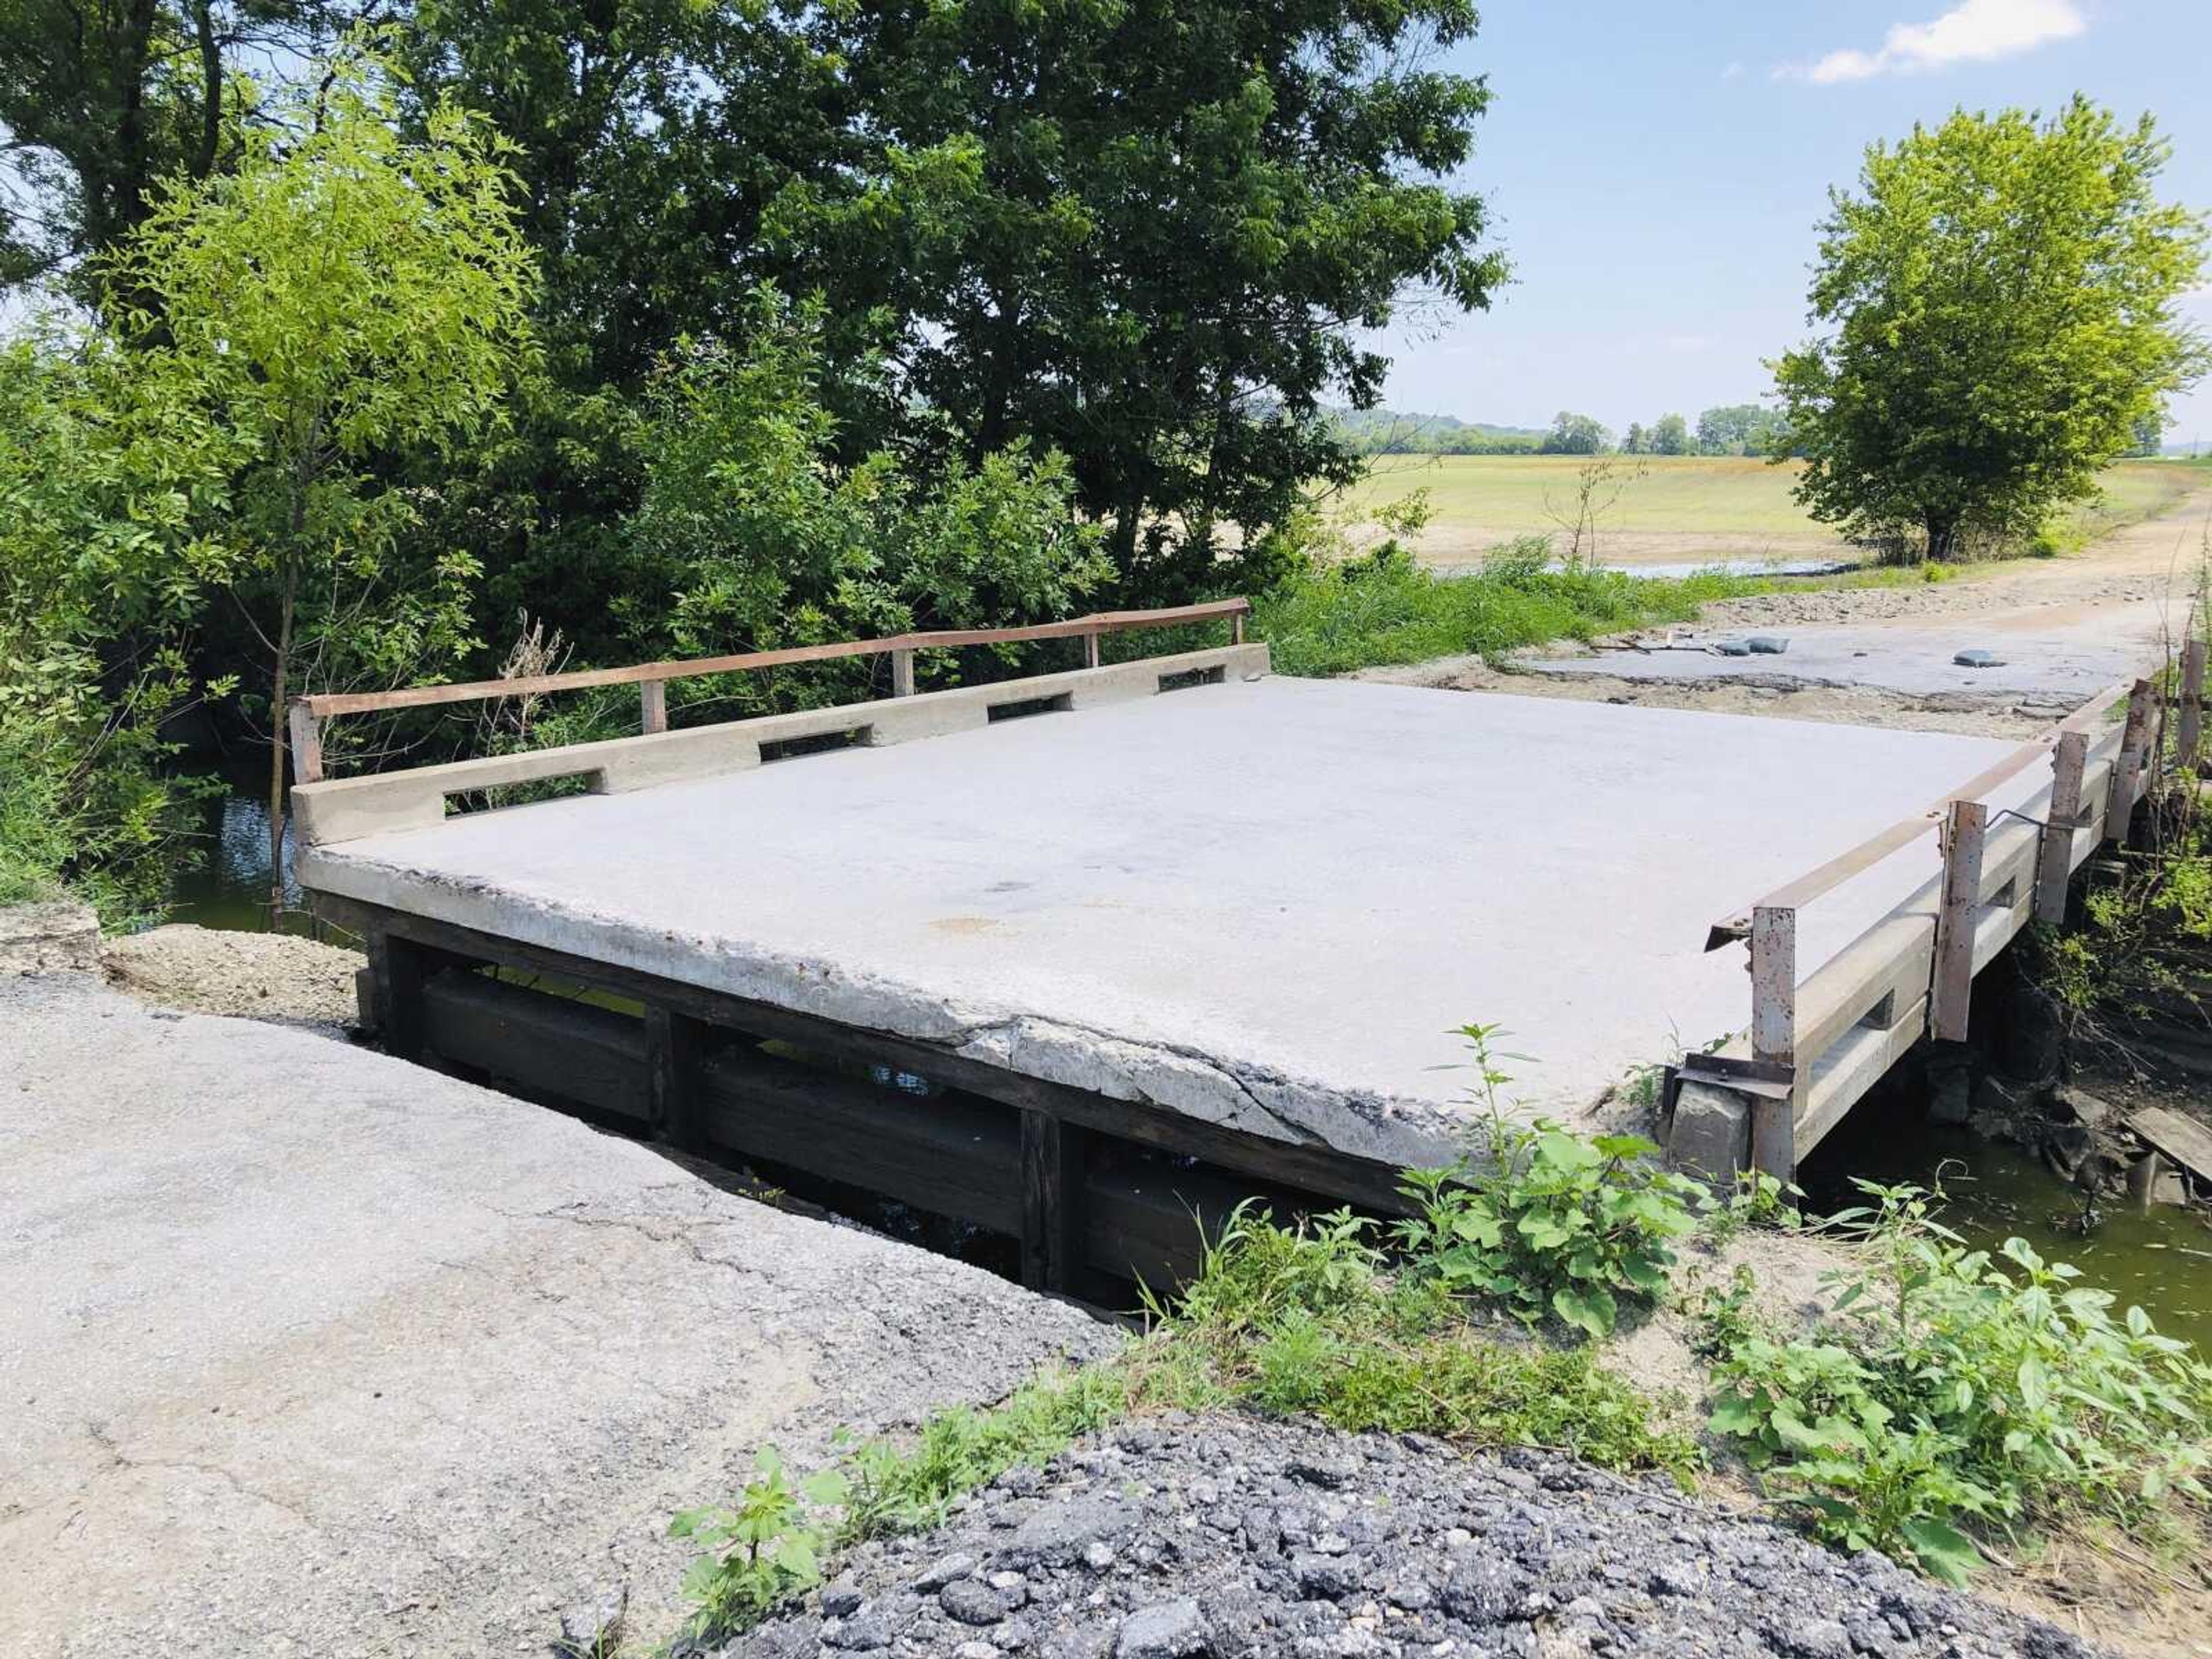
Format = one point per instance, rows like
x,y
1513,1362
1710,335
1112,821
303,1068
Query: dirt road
x,y
2063,627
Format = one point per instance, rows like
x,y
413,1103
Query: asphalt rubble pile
x,y
1235,1536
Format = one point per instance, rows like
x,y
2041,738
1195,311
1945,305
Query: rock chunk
x,y
1169,1629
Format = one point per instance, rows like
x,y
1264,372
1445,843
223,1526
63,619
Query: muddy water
x,y
2160,1260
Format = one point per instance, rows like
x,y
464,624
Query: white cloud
x,y
1733,72
1973,32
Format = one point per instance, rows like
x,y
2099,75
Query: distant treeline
x,y
1724,429
1727,429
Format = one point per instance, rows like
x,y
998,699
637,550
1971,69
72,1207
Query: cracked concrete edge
x,y
1248,1095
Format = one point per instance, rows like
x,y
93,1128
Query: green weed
x,y
1549,1223
762,1550
1956,1388
1384,609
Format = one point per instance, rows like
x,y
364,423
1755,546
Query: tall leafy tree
x,y
1148,234
100,100
2001,300
345,293
1670,435
1580,434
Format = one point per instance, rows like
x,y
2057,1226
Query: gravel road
x,y
1234,1537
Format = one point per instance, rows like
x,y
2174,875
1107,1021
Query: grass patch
x,y
1373,612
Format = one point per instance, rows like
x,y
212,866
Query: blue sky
x,y
1657,173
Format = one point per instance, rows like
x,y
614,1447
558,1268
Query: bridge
x,y
1073,956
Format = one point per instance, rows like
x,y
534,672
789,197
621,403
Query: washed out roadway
x,y
307,1351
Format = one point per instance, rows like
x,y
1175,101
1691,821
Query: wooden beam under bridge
x,y
1097,1191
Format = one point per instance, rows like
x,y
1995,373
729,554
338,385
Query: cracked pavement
x,y
304,1350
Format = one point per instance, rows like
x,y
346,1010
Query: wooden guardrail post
x,y
2128,765
1774,1036
653,705
2054,864
1091,650
306,742
1964,831
901,673
2190,734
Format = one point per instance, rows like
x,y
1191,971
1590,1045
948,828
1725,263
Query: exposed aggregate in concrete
x,y
1232,1537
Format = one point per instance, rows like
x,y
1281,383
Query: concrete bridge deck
x,y
1266,903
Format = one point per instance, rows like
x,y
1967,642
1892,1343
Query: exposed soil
x,y
1466,543
2151,567
1777,695
270,976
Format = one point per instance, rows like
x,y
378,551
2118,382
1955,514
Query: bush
x,y
1378,611
1962,1388
1555,1225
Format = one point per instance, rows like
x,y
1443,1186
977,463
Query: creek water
x,y
229,887
2161,1259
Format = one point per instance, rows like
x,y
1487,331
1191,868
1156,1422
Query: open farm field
x,y
1684,510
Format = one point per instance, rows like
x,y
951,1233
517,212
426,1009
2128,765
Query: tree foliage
x,y
102,100
1741,429
1576,434
751,535
1148,232
2001,296
344,296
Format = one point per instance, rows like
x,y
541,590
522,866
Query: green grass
x,y
1364,615
1506,495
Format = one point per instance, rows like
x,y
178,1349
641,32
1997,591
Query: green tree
x,y
1670,435
1151,236
1635,443
2001,297
1739,429
100,100
103,490
345,293
1575,434
750,534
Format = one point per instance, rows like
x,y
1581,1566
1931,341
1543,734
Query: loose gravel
x,y
1229,1537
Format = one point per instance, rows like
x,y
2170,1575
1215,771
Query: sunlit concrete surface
x,y
309,1353
1267,904
2061,654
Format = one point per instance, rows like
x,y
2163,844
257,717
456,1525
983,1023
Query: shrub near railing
x,y
1959,1387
